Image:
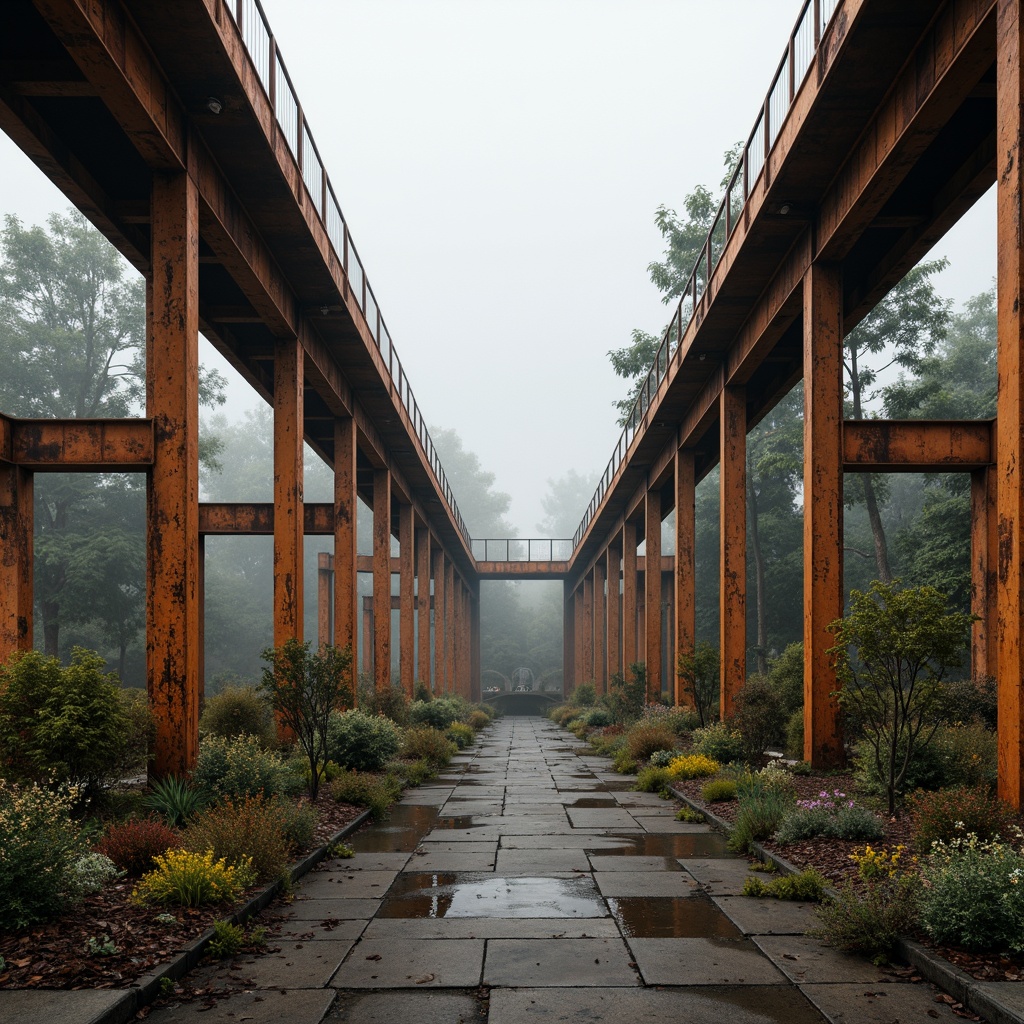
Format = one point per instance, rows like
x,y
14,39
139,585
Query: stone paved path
x,y
529,884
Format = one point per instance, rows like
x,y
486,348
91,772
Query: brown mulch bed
x,y
55,954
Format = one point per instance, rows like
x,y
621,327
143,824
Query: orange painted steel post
x,y
568,639
475,682
984,554
685,570
16,523
629,596
1010,400
201,562
423,606
288,512
367,647
733,545
579,663
462,641
381,579
346,548
823,509
652,596
172,519
324,579
600,631
588,628
450,626
406,600
440,605
613,574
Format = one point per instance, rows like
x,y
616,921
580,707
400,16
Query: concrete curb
x,y
147,988
931,966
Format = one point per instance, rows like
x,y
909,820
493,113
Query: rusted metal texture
x,y
613,574
568,639
587,623
450,625
652,596
600,628
346,608
382,579
916,446
289,523
407,606
437,684
16,516
423,605
984,559
685,599
629,595
113,446
733,546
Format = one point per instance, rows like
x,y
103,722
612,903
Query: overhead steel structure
x,y
175,129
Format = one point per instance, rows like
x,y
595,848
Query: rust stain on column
x,y
823,509
652,595
600,628
983,572
1010,400
613,648
381,579
685,571
629,588
568,638
450,625
324,580
440,607
406,600
16,526
578,666
587,646
475,684
346,589
733,545
423,606
288,511
172,522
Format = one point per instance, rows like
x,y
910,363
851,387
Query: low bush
x,y
644,739
608,741
362,789
238,711
597,717
186,879
795,735
562,714
623,762
830,816
662,758
390,702
718,790
133,844
90,873
693,766
415,773
141,729
363,742
760,718
970,702
229,769
584,695
653,780
626,694
427,744
786,679
757,818
249,829
298,821
925,771
967,754
460,734
771,776
478,719
438,713
175,800
808,886
719,742
948,814
690,816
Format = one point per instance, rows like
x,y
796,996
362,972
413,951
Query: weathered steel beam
x,y
984,561
613,574
652,596
77,445
423,605
588,628
600,634
16,524
733,546
407,606
437,683
685,567
916,446
289,520
568,639
346,503
382,579
522,570
629,595
475,677
450,625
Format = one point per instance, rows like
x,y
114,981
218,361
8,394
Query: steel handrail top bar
x,y
797,60
525,549
269,65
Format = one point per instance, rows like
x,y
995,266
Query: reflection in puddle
x,y
689,844
422,894
400,832
645,917
594,801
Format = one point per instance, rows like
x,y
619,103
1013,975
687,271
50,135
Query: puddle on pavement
x,y
457,821
594,801
690,844
447,894
687,917
400,832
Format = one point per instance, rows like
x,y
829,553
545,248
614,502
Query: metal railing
x,y
531,549
804,40
284,101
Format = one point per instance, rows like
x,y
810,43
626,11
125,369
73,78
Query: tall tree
x,y
565,502
483,508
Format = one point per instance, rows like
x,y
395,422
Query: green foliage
x,y
133,844
757,819
584,695
950,814
421,691
905,640
415,773
439,713
176,800
298,822
390,701
90,873
786,678
808,887
247,830
716,790
653,780
795,735
828,818
690,816
760,717
974,895
461,735
563,714
643,739
238,768
478,719
719,742
970,702
626,695
363,742
693,766
623,762
363,789
967,754
662,758
186,879
227,940
238,711
425,743
104,945
64,721
699,670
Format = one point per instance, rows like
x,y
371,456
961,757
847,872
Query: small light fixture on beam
x,y
784,209
213,105
324,310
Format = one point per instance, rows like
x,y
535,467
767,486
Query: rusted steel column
x,y
475,683
629,596
450,626
324,574
423,606
685,571
984,554
16,523
568,639
406,599
367,645
652,595
1010,400
733,545
613,647
381,579
588,628
462,640
600,630
578,661
346,549
823,509
440,604
201,616
172,521
288,513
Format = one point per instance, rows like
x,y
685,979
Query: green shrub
x,y
416,772
425,743
757,818
176,800
967,754
186,879
362,789
626,695
238,711
970,702
760,717
461,735
663,758
584,695
39,846
478,719
643,739
949,814
786,678
795,735
698,668
564,713
771,776
298,822
439,713
133,844
830,816
421,691
363,742
623,761
134,755
716,790
690,816
653,780
693,766
808,886
925,770
719,742
227,940
69,722
250,829
597,717
90,873
391,702
238,768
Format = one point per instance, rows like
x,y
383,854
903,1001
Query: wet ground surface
x,y
528,883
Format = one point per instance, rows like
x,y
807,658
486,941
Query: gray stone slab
x,y
690,961
750,1005
296,965
645,883
612,862
574,840
451,857
404,1008
665,824
719,876
492,928
767,916
452,808
297,1006
362,861
878,1004
558,962
1008,994
426,797
806,960
409,963
600,817
341,910
342,883
30,1006
541,862
631,799
293,929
